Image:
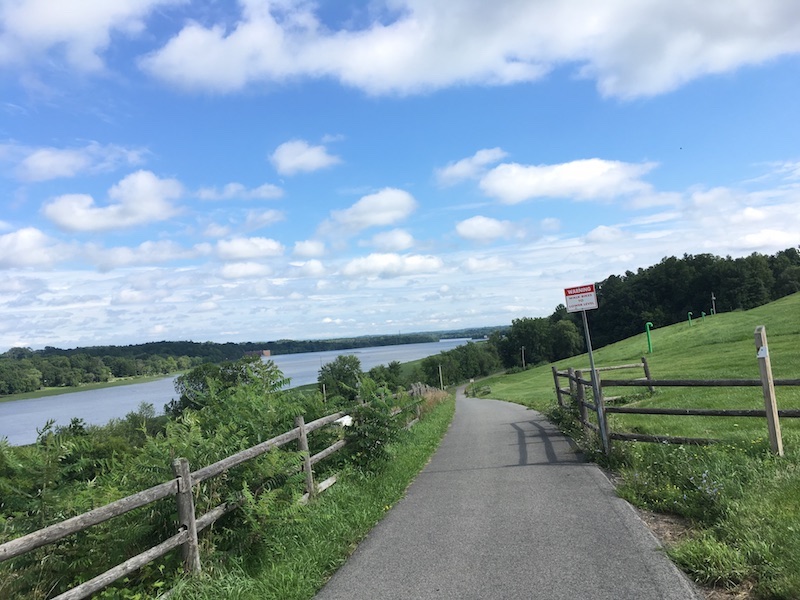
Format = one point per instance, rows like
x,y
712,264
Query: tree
x,y
341,377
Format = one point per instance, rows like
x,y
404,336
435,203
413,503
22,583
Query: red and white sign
x,y
581,298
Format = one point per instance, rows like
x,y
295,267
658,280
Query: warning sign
x,y
581,298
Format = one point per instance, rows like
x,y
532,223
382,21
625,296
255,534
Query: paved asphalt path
x,y
506,509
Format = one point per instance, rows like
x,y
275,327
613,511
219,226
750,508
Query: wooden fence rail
x,y
182,488
578,386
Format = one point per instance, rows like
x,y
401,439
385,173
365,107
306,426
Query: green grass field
x,y
743,503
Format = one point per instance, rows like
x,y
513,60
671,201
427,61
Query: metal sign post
x,y
581,299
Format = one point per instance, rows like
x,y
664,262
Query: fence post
x,y
584,416
186,515
647,375
302,442
768,386
558,387
602,419
571,373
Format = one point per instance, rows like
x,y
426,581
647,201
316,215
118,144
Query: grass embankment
x,y
303,553
743,503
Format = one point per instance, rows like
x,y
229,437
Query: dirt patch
x,y
670,530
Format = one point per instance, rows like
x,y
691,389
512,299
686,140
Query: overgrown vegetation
x,y
742,502
223,409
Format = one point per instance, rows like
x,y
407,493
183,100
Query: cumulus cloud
x,y
392,265
237,191
298,156
469,168
604,234
139,198
484,229
310,268
244,270
386,207
45,163
309,249
29,247
587,179
395,240
76,31
144,254
240,248
630,47
489,264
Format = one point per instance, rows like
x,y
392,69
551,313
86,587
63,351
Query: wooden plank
x,y
663,439
768,387
105,579
328,451
304,499
226,463
700,412
695,382
215,514
322,421
55,532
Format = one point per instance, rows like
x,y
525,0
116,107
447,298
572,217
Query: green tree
x,y
341,377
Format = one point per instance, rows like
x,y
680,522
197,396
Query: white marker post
x,y
580,299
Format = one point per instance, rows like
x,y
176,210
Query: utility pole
x,y
713,304
523,357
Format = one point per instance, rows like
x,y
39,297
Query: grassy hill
x,y
743,503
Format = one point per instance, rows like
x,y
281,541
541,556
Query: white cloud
x,y
483,229
240,248
604,234
29,247
237,191
395,240
297,156
42,164
490,264
145,253
309,249
215,230
257,219
386,207
392,265
244,270
587,179
310,268
469,168
630,47
137,199
79,30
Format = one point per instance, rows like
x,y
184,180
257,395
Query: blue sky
x,y
256,170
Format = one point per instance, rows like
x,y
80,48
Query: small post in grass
x,y
768,386
186,515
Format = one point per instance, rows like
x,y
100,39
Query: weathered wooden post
x,y
584,416
572,388
647,375
602,418
186,515
768,386
302,442
558,387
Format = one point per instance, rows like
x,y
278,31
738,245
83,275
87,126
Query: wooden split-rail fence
x,y
579,397
182,486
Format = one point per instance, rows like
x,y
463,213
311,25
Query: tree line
x,y
662,294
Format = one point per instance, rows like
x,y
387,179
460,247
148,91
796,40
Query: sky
x,y
262,169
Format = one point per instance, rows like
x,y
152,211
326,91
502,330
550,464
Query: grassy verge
x,y
743,503
301,554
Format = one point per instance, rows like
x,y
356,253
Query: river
x,y
19,419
